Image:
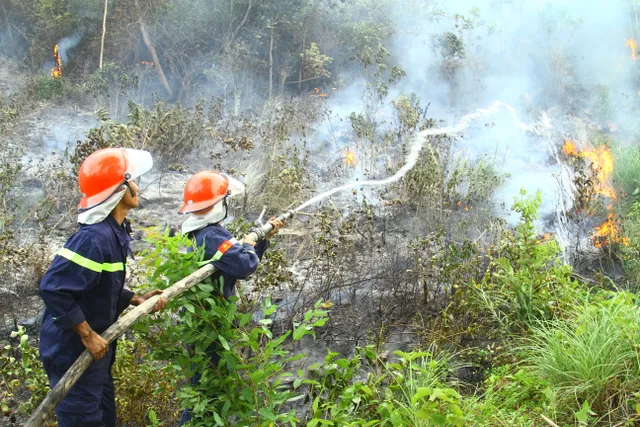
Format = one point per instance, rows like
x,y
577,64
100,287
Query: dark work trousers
x,y
91,402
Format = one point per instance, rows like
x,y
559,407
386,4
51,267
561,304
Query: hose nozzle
x,y
260,232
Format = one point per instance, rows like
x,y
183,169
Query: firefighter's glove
x,y
277,225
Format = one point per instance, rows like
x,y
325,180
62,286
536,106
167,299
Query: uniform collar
x,y
120,231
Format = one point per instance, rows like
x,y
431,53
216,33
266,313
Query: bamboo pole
x,y
548,421
104,30
40,416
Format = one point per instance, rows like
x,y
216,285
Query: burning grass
x,y
602,164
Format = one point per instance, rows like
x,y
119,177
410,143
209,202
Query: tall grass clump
x,y
591,356
626,174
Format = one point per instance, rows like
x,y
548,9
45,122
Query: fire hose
x,y
40,416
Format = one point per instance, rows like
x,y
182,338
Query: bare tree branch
x,y
244,20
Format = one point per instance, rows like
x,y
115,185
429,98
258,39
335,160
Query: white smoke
x,y
419,140
563,57
64,46
68,43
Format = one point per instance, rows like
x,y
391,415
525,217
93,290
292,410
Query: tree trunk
x,y
284,75
104,30
271,65
244,20
304,46
237,101
154,56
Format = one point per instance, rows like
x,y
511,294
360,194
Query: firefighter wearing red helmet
x,y
205,200
83,289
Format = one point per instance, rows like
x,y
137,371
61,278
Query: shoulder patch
x,y
225,246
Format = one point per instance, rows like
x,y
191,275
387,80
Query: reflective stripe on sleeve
x,y
90,265
224,247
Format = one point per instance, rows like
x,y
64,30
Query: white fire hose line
x,y
540,128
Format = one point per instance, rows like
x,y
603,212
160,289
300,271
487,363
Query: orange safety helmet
x,y
204,190
106,170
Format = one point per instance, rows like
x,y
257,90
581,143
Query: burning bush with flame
x,y
56,71
602,165
633,45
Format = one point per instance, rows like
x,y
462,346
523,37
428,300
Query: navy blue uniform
x,y
234,261
84,282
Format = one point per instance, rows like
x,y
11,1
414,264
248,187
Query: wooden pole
x,y
104,30
271,64
548,421
40,416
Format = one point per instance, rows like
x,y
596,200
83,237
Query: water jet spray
x,y
419,139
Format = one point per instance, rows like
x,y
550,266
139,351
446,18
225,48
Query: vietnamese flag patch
x,y
225,246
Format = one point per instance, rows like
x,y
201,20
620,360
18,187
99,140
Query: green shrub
x,y
512,396
144,389
526,280
47,88
248,383
141,386
592,356
630,253
411,390
21,373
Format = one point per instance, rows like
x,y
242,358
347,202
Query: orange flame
x,y
151,64
318,94
56,71
545,237
466,206
601,158
631,43
570,149
350,158
602,161
608,233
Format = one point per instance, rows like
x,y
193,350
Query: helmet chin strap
x,y
127,177
131,191
226,208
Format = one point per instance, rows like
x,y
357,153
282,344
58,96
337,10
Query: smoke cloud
x,y
68,43
564,58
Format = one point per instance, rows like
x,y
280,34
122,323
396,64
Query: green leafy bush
x,y
47,88
411,390
144,389
21,372
626,174
526,280
248,384
512,396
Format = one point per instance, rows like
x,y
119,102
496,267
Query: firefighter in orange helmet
x,y
206,197
83,289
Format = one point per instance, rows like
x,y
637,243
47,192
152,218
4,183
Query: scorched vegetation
x,y
494,284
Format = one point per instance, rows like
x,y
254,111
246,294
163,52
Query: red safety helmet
x,y
106,170
206,188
